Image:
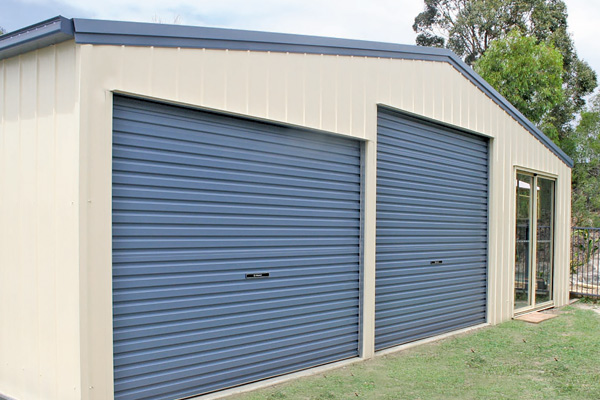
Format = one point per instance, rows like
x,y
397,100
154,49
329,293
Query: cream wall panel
x,y
134,67
294,91
46,193
380,71
328,94
313,82
494,245
481,112
163,77
417,88
236,78
446,86
257,85
190,66
400,89
504,249
455,99
276,86
28,213
214,80
345,87
369,164
465,103
67,179
39,271
431,91
358,110
333,93
11,377
96,218
371,95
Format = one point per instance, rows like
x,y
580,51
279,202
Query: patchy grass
x,y
590,300
557,359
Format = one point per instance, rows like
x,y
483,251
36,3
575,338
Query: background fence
x,y
585,261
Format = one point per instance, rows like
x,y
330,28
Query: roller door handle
x,y
257,275
436,262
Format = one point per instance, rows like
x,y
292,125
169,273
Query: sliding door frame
x,y
533,215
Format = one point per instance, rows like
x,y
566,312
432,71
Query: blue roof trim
x,y
146,34
45,33
88,31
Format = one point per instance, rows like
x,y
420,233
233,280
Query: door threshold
x,y
541,307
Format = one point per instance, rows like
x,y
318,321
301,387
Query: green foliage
x,y
585,246
526,73
469,27
589,300
585,143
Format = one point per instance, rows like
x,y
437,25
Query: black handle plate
x,y
257,275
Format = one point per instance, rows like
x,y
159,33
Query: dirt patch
x,y
553,311
584,306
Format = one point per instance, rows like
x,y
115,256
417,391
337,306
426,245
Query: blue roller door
x,y
432,196
235,250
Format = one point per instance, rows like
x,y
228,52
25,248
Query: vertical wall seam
x,y
36,206
177,73
3,226
337,93
247,82
20,213
55,203
225,82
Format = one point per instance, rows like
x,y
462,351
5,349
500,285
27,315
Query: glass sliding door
x,y
534,241
523,241
544,240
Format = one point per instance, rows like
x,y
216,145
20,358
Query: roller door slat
x,y
236,249
431,248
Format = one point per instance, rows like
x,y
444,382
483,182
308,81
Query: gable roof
x,y
100,32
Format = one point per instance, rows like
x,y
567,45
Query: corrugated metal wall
x,y
39,225
432,216
200,201
334,93
58,195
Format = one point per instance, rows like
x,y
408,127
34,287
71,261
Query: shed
x,y
185,210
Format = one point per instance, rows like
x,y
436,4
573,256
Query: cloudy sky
x,y
380,20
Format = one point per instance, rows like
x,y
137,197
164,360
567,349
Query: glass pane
x,y
522,268
544,240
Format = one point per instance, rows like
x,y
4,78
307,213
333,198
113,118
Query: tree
x,y
468,27
586,172
526,73
549,24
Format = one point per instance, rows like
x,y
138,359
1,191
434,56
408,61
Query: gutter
x,y
43,34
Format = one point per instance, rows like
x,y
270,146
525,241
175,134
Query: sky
x,y
379,20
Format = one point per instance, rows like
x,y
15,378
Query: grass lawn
x,y
557,359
